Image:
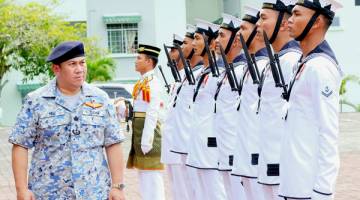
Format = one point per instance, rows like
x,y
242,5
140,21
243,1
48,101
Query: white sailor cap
x,y
251,14
210,29
190,31
177,39
230,22
324,7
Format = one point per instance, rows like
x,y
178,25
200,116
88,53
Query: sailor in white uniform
x,y
272,105
181,116
226,98
203,153
246,153
309,155
170,159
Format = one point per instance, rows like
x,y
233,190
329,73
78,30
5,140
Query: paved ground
x,y
348,184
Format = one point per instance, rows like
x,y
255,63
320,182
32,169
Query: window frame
x,y
122,38
337,27
357,2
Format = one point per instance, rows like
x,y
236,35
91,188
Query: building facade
x,y
120,25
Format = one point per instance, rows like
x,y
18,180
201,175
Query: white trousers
x,y
179,182
271,192
194,183
151,185
237,188
253,190
209,185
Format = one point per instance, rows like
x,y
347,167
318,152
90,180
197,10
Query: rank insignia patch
x,y
327,92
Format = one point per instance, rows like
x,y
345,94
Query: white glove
x,y
146,148
147,142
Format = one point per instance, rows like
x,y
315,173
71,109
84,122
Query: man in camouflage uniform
x,y
68,122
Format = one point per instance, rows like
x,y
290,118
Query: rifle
x,y
172,64
214,59
166,83
188,72
275,67
253,72
229,70
211,60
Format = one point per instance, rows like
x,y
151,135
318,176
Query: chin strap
x,y
191,54
251,37
308,27
277,27
231,40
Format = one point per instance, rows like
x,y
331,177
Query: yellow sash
x,y
144,87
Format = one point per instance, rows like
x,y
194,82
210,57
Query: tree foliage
x,y
29,32
343,99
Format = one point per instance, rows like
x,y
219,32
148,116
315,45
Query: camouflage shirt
x,y
68,160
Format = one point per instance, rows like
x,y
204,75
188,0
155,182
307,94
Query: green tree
x,y
99,69
343,99
29,32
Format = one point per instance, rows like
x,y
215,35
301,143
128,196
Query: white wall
x,y
10,100
73,10
97,28
346,45
209,10
170,18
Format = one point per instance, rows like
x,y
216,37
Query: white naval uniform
x,y
151,181
169,128
309,155
226,124
170,159
203,153
181,116
246,151
271,111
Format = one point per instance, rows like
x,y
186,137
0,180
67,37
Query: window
x,y
122,38
357,2
336,22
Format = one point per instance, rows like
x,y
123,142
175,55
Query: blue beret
x,y
66,51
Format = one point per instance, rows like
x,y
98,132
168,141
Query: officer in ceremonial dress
x,y
146,137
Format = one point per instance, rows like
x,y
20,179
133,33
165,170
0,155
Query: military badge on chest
x,y
93,104
327,92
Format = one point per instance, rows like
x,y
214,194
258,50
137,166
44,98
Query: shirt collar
x,y
323,48
148,74
50,89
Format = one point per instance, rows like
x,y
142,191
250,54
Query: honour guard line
x,y
251,113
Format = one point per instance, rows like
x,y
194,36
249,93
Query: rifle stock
x,y
188,73
249,61
275,66
172,64
166,83
210,58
